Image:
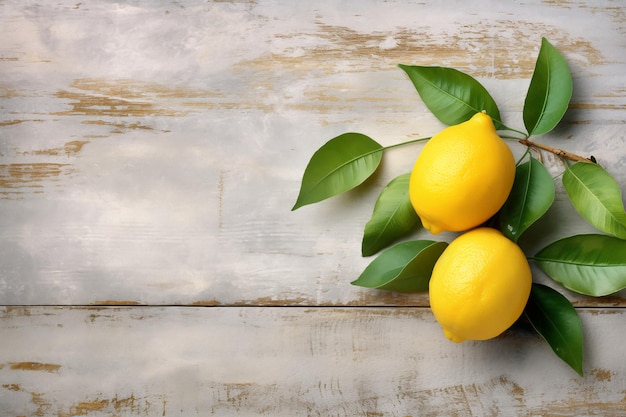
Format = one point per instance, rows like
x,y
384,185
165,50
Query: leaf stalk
x,y
404,143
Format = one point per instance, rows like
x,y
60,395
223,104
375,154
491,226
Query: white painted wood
x,y
136,361
151,151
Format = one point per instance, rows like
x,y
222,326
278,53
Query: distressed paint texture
x,y
302,361
150,152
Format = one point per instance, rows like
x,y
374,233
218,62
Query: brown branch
x,y
557,151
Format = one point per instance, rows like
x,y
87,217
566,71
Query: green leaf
x,y
451,95
549,92
339,165
556,320
597,197
393,216
588,264
531,196
405,267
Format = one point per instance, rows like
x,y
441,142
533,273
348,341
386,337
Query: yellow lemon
x,y
462,176
479,286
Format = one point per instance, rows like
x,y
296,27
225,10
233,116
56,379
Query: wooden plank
x,y
137,361
150,153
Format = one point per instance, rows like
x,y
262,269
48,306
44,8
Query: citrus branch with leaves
x,y
589,264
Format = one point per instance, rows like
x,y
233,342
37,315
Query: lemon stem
x,y
556,151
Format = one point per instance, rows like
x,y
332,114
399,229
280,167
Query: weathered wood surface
x,y
273,361
151,151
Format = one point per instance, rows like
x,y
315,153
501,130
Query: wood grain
x,y
305,361
164,158
151,151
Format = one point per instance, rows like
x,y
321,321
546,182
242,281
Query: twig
x,y
557,151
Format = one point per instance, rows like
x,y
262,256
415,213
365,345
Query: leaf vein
x,y
589,192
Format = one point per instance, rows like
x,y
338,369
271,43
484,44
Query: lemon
x,y
462,176
479,286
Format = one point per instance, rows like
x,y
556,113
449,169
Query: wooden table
x,y
151,151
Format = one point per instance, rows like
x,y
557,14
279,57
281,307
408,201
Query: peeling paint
x,y
13,311
602,374
68,149
43,405
609,106
117,406
116,303
83,408
496,59
17,122
34,366
99,97
28,174
206,303
18,178
580,407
